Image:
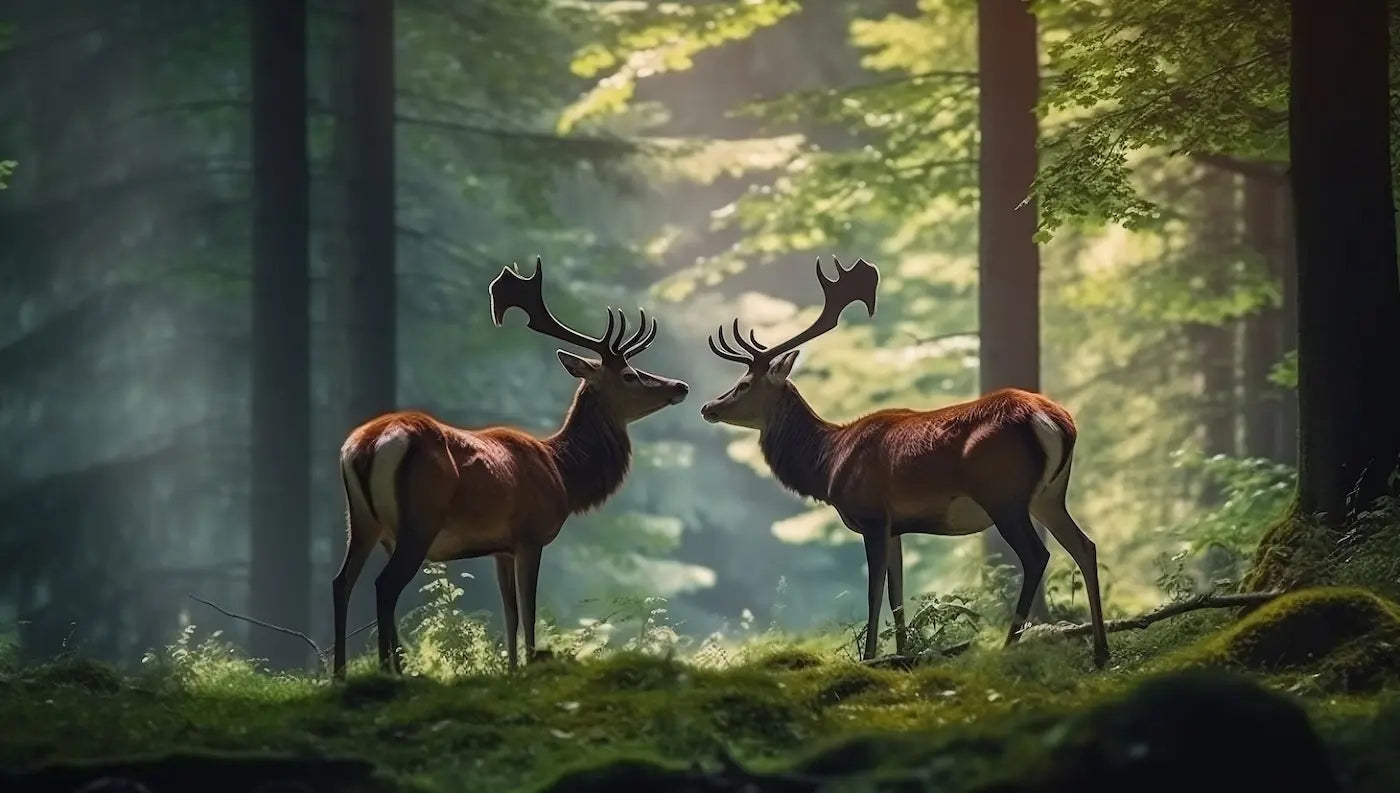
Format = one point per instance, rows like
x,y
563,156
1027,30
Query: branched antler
x,y
855,284
512,290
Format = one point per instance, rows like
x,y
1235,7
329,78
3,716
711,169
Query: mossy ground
x,y
1333,649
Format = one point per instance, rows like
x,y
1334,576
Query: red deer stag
x,y
427,490
954,471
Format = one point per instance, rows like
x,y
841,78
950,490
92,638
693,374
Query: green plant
x,y
1254,494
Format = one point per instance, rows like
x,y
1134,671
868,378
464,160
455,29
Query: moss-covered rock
x,y
1203,732
1198,731
849,683
1349,637
787,659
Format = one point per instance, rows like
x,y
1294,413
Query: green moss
x,y
637,672
787,659
75,672
943,726
1347,637
849,683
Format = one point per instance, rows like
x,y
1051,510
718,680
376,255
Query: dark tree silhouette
x,y
1008,258
1269,430
373,347
1348,285
363,299
281,417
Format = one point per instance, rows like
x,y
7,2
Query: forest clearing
x,y
436,395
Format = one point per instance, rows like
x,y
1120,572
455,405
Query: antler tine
x,y
729,348
511,290
755,342
621,331
639,347
742,342
641,339
623,345
735,357
855,284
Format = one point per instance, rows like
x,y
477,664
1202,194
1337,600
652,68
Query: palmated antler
x,y
512,290
856,284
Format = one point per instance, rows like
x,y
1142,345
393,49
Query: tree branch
x,y
1208,600
320,654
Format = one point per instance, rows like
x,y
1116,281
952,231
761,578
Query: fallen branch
x,y
1176,608
1209,600
316,648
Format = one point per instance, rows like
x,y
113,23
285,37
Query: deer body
x,y
926,472
994,461
428,491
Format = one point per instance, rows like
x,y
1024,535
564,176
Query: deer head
x,y
749,402
630,393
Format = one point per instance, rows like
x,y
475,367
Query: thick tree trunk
x,y
280,560
1263,330
362,308
373,326
1008,259
1348,283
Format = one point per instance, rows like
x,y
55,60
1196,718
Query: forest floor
x,y
1301,690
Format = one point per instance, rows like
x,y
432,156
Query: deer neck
x,y
591,450
794,442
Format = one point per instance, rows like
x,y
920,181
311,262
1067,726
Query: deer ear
x,y
782,367
582,368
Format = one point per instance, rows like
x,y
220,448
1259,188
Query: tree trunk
x,y
1008,259
362,306
280,559
373,328
1348,283
1263,330
1288,324
1216,344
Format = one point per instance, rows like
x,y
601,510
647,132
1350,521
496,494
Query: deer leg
x,y
896,592
527,582
877,560
409,552
1055,515
1016,528
357,550
505,579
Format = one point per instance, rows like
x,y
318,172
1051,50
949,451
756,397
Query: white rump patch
x,y
1052,440
389,452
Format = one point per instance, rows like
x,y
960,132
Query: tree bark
x,y
1263,330
280,559
1348,283
362,304
1008,258
1288,324
373,327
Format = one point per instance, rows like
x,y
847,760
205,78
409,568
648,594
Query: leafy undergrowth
x,y
987,720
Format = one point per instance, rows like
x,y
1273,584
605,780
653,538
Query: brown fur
x,y
487,491
956,470
457,493
913,463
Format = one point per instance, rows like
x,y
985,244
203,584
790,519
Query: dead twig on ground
x,y
316,648
1208,600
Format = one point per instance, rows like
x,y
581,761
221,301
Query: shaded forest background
x,y
691,158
